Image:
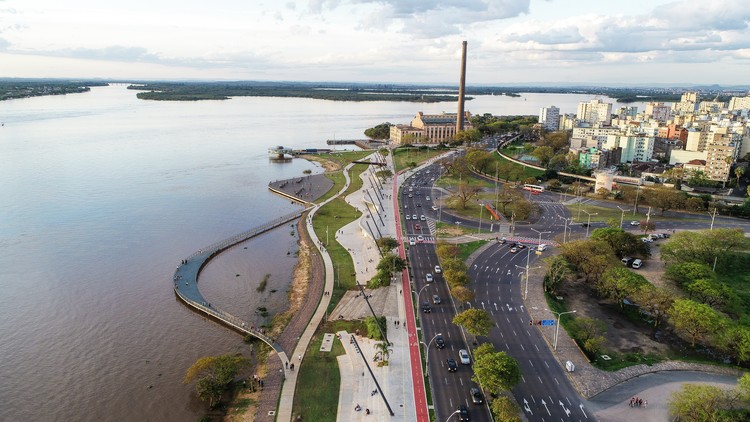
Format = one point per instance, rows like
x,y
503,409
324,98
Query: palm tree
x,y
738,172
384,350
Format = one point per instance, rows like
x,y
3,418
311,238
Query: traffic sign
x,y
548,322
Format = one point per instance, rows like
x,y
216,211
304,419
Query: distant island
x,y
23,88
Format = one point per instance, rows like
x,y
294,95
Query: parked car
x,y
452,367
476,396
439,342
637,263
463,356
646,240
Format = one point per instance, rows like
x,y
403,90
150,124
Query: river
x,y
103,194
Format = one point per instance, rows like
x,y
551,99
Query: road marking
x,y
514,333
537,349
523,378
532,365
545,362
557,382
522,348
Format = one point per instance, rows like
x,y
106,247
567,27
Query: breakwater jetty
x,y
186,281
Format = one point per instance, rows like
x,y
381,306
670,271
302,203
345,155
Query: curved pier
x,y
186,280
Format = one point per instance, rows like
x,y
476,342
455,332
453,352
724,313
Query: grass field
x,y
466,249
525,171
318,369
403,156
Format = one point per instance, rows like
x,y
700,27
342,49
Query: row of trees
x,y
454,272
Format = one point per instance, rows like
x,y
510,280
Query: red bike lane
x,y
420,396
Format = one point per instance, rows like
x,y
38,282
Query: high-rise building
x,y
549,118
595,111
658,111
739,103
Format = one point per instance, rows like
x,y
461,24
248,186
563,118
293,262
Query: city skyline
x,y
510,41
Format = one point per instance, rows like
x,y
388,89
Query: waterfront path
x,y
286,400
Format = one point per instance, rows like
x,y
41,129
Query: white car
x,y
464,357
635,223
428,277
420,238
414,216
412,242
434,208
408,217
421,217
438,269
426,198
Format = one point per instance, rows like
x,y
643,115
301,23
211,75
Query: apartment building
x,y
549,118
595,111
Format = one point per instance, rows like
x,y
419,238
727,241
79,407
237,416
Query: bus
x,y
533,188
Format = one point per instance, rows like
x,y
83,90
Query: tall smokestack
x,y
461,88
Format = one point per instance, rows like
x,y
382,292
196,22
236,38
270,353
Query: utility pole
x,y
622,214
588,224
528,255
713,216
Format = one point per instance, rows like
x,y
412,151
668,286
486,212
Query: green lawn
x,y
525,171
403,156
318,382
346,157
338,183
448,182
466,249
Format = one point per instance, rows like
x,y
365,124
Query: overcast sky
x,y
510,41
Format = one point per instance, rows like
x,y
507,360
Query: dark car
x,y
476,396
452,366
426,308
439,342
463,413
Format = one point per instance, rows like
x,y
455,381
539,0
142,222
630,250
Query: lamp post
x,y
540,235
622,215
481,208
427,353
527,269
420,291
588,224
557,328
451,415
713,216
565,227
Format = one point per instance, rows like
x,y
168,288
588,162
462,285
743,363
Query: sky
x,y
591,42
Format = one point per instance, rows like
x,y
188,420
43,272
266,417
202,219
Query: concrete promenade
x,y
286,400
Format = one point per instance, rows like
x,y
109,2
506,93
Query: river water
x,y
103,194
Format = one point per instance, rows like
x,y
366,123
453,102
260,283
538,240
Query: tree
x,y
213,374
466,193
713,293
590,257
665,198
462,294
654,301
467,137
383,350
381,131
735,340
694,204
507,195
693,319
495,371
621,242
456,278
685,272
558,270
698,178
590,333
703,247
620,283
504,409
647,226
476,322
387,244
481,160
701,403
374,327
544,155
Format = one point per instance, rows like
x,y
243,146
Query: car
x,y
426,198
422,217
502,241
646,240
582,224
439,342
542,247
434,208
408,217
436,300
438,269
411,189
406,206
476,396
420,238
626,260
463,413
419,204
428,277
635,223
412,241
452,367
417,227
414,216
513,249
411,196
426,308
463,356
637,263
520,246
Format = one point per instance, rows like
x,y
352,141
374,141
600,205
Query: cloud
x,y
4,44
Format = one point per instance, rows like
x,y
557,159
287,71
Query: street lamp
x,y
481,208
420,291
713,216
540,234
565,227
622,214
588,224
427,353
528,255
451,415
557,328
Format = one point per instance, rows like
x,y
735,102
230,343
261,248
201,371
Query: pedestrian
x,y
287,365
645,403
299,357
